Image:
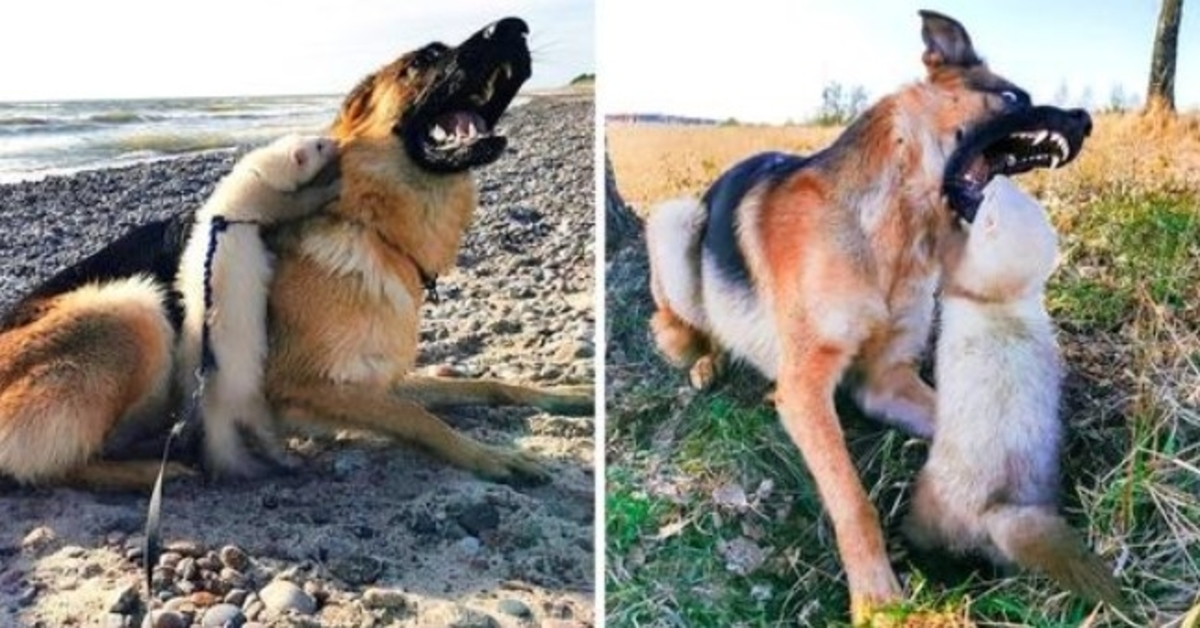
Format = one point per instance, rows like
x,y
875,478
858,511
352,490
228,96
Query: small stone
x,y
233,557
384,599
26,596
316,590
165,619
237,597
516,608
185,548
73,551
170,559
204,599
187,569
255,608
38,539
356,570
282,596
463,617
117,620
232,577
181,605
91,570
223,616
469,545
127,601
209,562
479,518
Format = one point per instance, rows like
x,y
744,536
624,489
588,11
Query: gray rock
x,y
223,616
384,599
478,518
281,596
356,570
234,557
469,545
237,597
165,619
127,601
516,608
463,617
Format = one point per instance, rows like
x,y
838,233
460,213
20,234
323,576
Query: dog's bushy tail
x,y
1038,538
673,243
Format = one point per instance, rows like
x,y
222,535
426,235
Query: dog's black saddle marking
x,y
152,249
725,196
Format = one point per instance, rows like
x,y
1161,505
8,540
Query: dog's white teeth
x,y
507,67
438,133
1040,137
471,130
1062,145
1054,161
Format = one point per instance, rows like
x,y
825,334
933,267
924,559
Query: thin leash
x,y
208,362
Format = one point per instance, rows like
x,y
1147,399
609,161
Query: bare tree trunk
x,y
1161,92
620,223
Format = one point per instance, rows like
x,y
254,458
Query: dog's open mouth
x,y
1011,144
452,125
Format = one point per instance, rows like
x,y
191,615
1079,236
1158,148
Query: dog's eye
x,y
1014,98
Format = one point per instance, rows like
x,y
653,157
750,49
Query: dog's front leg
x,y
810,371
891,390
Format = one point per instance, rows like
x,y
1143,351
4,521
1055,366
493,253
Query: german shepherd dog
x,y
812,268
86,359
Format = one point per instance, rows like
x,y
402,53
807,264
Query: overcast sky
x,y
767,60
68,49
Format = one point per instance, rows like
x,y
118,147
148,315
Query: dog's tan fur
x,y
347,295
844,260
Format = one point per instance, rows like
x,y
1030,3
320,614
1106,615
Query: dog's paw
x,y
870,599
704,372
511,466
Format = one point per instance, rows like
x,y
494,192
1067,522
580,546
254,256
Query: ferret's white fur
x,y
264,187
998,375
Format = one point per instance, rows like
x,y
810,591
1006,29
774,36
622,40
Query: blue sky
x,y
767,60
69,49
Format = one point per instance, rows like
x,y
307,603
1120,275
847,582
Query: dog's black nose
x,y
1083,118
509,27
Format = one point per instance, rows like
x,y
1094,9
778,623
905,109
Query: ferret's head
x,y
292,161
1011,248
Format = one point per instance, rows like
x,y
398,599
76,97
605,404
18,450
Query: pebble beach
x,y
366,532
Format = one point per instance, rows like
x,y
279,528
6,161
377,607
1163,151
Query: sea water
x,y
38,139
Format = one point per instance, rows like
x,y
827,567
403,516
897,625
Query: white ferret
x,y
229,291
991,482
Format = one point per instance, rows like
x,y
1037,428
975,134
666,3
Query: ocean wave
x,y
26,121
174,143
123,117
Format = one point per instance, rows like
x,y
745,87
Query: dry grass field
x,y
712,518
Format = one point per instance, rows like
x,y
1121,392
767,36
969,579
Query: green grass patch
x,y
1120,250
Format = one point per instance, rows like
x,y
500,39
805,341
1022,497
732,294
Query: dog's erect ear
x,y
946,42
